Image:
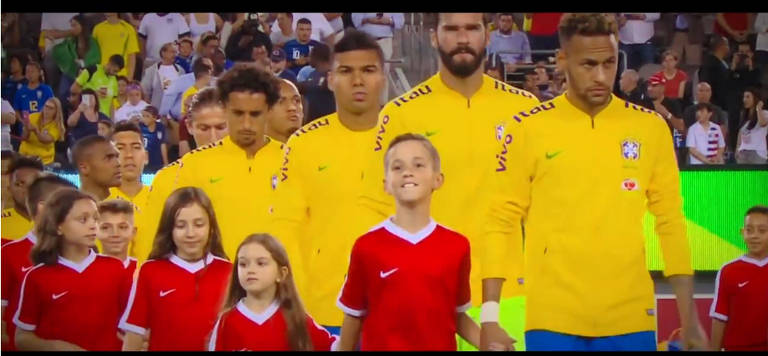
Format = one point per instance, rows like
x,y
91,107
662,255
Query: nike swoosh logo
x,y
25,269
383,274
743,284
321,168
216,180
166,292
57,296
431,133
552,155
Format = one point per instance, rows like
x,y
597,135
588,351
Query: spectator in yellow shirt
x,y
116,36
42,130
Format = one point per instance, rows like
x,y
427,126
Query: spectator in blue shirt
x,y
507,39
31,96
279,63
16,79
171,103
298,50
184,58
153,132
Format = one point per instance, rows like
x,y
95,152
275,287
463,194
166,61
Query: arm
x,y
692,333
9,118
718,330
183,147
350,333
762,115
681,89
130,66
468,329
133,341
74,117
219,22
700,156
164,152
724,24
28,341
719,158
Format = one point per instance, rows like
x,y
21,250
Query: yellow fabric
x,y
187,93
465,132
163,184
313,204
14,226
33,146
119,38
139,202
239,188
581,186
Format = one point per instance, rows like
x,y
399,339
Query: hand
x,y
741,36
759,106
66,346
661,109
694,338
102,92
494,338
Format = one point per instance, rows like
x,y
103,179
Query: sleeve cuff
x,y
22,325
335,344
718,316
464,308
132,328
350,311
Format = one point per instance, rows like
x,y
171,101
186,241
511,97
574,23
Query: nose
x,y
357,78
600,74
462,37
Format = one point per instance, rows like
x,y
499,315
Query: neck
x,y
122,256
670,72
758,255
358,121
277,135
465,86
503,32
100,192
113,20
412,217
18,75
201,83
304,42
259,302
591,111
704,123
131,187
719,54
32,85
251,150
151,125
168,62
74,253
287,30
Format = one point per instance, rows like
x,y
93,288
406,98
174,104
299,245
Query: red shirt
x,y
130,265
4,241
177,301
545,23
183,132
408,287
240,329
736,20
672,86
741,300
15,265
79,303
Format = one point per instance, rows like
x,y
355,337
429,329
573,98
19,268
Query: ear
x,y
561,59
331,81
83,168
283,274
133,234
386,186
433,37
439,180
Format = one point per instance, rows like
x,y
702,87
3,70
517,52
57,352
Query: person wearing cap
x,y
279,63
670,109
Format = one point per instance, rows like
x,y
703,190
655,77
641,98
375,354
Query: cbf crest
x,y
630,149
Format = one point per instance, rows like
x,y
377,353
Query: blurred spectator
x,y
259,52
674,87
284,31
159,77
31,96
670,110
15,79
558,82
531,84
542,34
202,80
9,118
54,28
632,91
705,140
734,26
201,22
635,33
319,99
8,157
335,19
753,131
321,28
157,29
287,115
42,130
715,71
131,110
542,78
116,36
103,80
239,46
172,101
704,96
761,45
508,39
75,52
279,63
298,50
319,59
104,128
494,67
154,139
184,58
122,93
381,26
688,37
746,73
207,46
84,120
220,63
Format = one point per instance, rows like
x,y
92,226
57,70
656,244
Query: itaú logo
x,y
502,156
382,130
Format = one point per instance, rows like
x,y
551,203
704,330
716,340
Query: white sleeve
x,y
143,26
652,16
721,139
183,27
325,27
45,22
7,107
690,141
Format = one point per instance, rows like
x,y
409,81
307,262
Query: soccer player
x,y
207,124
98,164
408,282
263,309
180,290
592,161
72,298
460,110
16,221
288,114
320,177
239,171
739,312
116,230
15,254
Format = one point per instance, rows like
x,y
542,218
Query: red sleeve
x,y
134,318
719,309
183,133
322,340
6,279
28,314
353,299
464,295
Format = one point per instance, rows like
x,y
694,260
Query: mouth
x,y
598,91
359,96
252,279
294,117
409,185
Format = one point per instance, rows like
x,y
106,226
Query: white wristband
x,y
489,312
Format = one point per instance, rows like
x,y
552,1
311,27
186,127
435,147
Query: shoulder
x,y
451,234
730,266
638,112
109,261
202,151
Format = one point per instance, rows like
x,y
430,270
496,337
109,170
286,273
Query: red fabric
x,y
672,86
183,132
545,23
408,293
736,20
15,265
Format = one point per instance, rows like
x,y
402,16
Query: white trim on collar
x,y
191,267
79,267
414,238
128,261
760,263
31,236
258,318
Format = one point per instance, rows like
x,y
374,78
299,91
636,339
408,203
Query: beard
x,y
464,69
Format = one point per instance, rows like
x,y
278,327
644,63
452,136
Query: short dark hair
x,y
355,40
247,77
152,110
116,206
126,126
42,187
8,154
320,53
84,144
705,106
22,161
506,14
716,41
303,21
117,60
199,66
757,209
413,137
586,24
186,40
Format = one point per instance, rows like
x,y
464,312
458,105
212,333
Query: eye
x,y
241,264
419,165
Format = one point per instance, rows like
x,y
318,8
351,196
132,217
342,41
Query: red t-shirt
x,y
177,301
240,329
183,132
15,265
408,287
741,300
672,86
79,303
545,23
4,241
130,265
736,20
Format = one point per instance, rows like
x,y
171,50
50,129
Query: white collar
x,y
31,236
759,263
128,261
414,238
79,267
258,318
191,267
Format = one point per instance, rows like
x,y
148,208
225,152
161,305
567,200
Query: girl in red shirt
x,y
674,87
